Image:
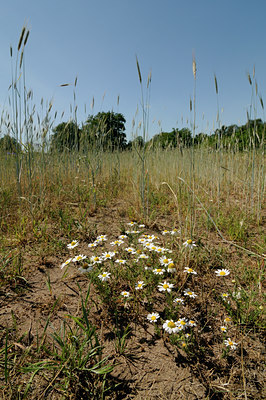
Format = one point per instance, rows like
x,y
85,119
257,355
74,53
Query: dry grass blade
x,y
21,59
216,85
140,79
26,38
21,37
194,67
149,79
261,102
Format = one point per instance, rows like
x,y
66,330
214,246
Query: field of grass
x,y
78,328
129,275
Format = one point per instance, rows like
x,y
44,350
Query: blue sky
x,y
98,41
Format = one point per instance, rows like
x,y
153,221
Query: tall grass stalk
x,y
144,179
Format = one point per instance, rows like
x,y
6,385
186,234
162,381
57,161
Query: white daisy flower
x,y
178,301
117,242
119,261
122,237
160,250
96,260
80,257
73,244
165,261
174,232
225,295
165,287
141,226
66,263
223,328
152,317
142,240
147,245
229,343
91,245
192,323
182,322
125,293
222,272
143,256
131,250
107,255
159,271
227,320
139,285
190,271
165,232
131,223
152,247
170,326
101,238
171,268
104,276
189,293
189,243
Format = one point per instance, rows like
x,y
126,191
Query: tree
x,y
66,137
181,138
9,144
106,131
138,143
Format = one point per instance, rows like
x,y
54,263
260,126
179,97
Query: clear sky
x,y
98,41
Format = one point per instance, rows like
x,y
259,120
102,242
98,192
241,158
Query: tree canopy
x,y
66,137
9,144
106,130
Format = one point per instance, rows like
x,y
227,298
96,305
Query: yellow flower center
x,y
189,241
165,260
182,323
158,270
189,269
104,275
72,243
96,258
222,273
171,265
171,324
153,317
165,286
140,284
189,293
230,343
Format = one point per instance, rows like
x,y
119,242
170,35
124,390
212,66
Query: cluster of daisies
x,y
144,243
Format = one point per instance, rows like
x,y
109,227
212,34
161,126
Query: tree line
x,y
106,131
